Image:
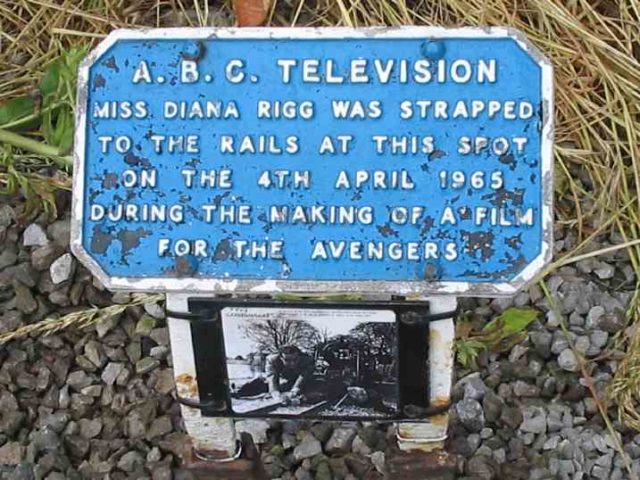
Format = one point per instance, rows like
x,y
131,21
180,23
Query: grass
x,y
594,45
78,319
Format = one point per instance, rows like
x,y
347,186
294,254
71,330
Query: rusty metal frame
x,y
204,314
218,434
225,285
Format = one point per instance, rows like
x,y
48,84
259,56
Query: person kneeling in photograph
x,y
290,375
289,378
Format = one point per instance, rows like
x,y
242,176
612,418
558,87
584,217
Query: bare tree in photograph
x,y
273,334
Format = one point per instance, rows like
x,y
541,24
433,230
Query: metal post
x,y
420,450
215,450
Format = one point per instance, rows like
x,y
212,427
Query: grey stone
x,y
340,440
34,236
481,468
359,447
322,431
303,474
7,215
601,472
130,462
46,440
161,472
492,405
554,423
474,388
165,382
24,299
576,320
8,402
106,325
56,421
134,351
159,427
378,460
552,319
135,426
565,449
155,310
524,389
145,325
567,361
94,351
612,322
62,269
604,271
559,342
594,316
599,443
7,258
534,420
26,380
517,352
11,453
78,380
63,397
257,428
581,345
542,342
90,428
159,352
473,441
288,441
486,432
60,232
551,443
511,417
111,372
500,456
605,461
146,365
23,273
598,338
24,471
307,448
85,364
43,257
566,467
470,414
10,320
154,455
160,336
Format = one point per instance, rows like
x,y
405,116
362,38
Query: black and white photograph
x,y
322,362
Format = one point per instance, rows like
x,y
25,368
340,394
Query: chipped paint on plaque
x,y
426,174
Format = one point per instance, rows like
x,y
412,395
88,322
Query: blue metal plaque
x,y
408,160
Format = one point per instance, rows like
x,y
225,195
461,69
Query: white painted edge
x,y
476,289
207,433
441,367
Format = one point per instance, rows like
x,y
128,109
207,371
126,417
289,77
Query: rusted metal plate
x,y
413,160
420,466
214,465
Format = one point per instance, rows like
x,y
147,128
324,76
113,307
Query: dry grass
x,y
78,319
594,46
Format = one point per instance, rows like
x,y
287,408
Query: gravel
x,y
100,402
567,360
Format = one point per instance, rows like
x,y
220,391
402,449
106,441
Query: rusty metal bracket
x,y
402,438
210,458
244,464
